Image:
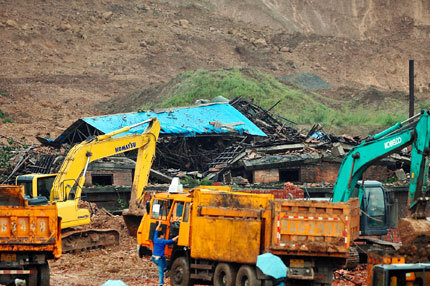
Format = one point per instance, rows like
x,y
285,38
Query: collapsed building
x,y
232,142
220,141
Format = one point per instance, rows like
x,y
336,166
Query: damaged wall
x,y
113,171
323,172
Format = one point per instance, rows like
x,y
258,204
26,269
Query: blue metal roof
x,y
186,121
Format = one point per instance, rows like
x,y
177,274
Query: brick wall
x,y
123,178
289,188
266,176
378,173
120,177
88,180
325,172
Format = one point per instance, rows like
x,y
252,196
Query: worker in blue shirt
x,y
158,251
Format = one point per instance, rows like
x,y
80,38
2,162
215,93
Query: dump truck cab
x,y
173,211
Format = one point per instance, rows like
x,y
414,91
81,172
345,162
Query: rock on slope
x,y
61,58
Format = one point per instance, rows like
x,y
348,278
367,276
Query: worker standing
x,y
158,252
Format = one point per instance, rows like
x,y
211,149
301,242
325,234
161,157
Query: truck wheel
x,y
43,275
225,275
246,276
180,272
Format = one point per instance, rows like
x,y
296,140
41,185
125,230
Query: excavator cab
x,y
375,208
414,274
37,187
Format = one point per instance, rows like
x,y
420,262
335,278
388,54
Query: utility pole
x,y
411,88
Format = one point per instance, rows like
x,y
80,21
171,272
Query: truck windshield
x,y
160,209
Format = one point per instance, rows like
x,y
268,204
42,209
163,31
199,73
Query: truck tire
x,y
246,276
180,272
225,275
43,273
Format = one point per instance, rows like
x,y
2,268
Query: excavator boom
x,y
71,175
414,133
67,185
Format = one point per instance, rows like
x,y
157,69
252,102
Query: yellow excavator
x,y
65,188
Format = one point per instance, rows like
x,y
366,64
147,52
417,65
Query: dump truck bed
x,y
25,228
308,227
237,227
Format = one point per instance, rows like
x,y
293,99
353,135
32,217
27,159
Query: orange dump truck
x,y
221,234
29,236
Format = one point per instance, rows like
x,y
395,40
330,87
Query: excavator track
x,y
88,239
353,258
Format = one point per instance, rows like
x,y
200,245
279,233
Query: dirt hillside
x,y
61,58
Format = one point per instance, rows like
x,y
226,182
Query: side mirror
x,y
148,206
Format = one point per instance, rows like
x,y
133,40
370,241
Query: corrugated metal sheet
x,y
187,121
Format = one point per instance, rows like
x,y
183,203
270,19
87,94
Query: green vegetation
x,y
371,109
122,203
7,120
4,94
4,118
190,182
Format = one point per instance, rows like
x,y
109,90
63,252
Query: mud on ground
x,y
114,263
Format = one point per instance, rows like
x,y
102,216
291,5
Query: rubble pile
x,y
103,219
21,159
355,277
416,251
218,157
290,191
276,127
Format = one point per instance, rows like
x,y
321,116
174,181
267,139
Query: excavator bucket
x,y
410,229
132,221
134,214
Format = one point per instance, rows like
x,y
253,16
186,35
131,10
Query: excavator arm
x,y
67,184
71,176
414,132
